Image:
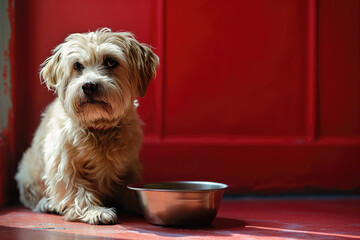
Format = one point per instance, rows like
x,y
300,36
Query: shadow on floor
x,y
11,233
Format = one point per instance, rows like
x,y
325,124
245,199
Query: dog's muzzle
x,y
92,95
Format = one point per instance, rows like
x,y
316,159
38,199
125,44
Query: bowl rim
x,y
140,186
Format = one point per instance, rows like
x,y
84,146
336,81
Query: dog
x,y
86,148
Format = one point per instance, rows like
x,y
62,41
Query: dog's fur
x,y
85,150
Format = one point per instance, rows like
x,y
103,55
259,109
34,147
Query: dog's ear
x,y
144,63
50,69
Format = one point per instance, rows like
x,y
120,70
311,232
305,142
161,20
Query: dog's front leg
x,y
86,207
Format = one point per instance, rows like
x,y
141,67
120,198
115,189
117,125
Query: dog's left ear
x,y
144,63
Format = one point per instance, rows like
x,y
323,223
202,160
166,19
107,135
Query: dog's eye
x,y
110,63
78,66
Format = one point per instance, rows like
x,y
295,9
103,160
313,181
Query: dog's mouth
x,y
102,104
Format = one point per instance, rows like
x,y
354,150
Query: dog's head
x,y
98,75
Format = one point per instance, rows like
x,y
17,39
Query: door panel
x,y
262,95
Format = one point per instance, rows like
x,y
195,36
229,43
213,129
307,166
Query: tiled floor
x,y
310,218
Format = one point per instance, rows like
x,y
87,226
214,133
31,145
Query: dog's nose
x,y
89,88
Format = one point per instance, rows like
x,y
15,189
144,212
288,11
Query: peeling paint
x,y
5,83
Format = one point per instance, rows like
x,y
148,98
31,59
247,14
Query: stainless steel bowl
x,y
179,203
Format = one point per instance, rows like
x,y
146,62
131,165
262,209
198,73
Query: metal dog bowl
x,y
179,203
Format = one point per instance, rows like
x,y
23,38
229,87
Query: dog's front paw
x,y
45,205
100,215
94,215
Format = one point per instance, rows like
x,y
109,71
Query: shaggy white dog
x,y
86,148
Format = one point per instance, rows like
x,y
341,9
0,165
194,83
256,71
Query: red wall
x,y
262,95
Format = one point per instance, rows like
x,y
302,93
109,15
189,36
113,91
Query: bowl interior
x,y
179,186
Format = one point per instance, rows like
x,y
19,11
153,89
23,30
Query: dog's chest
x,y
102,164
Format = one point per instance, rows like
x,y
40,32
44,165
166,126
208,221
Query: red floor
x,y
316,218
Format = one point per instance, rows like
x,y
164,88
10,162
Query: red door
x,y
262,95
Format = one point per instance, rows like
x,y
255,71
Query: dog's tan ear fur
x,y
144,63
50,69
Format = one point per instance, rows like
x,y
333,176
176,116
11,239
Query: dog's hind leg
x,y
28,179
